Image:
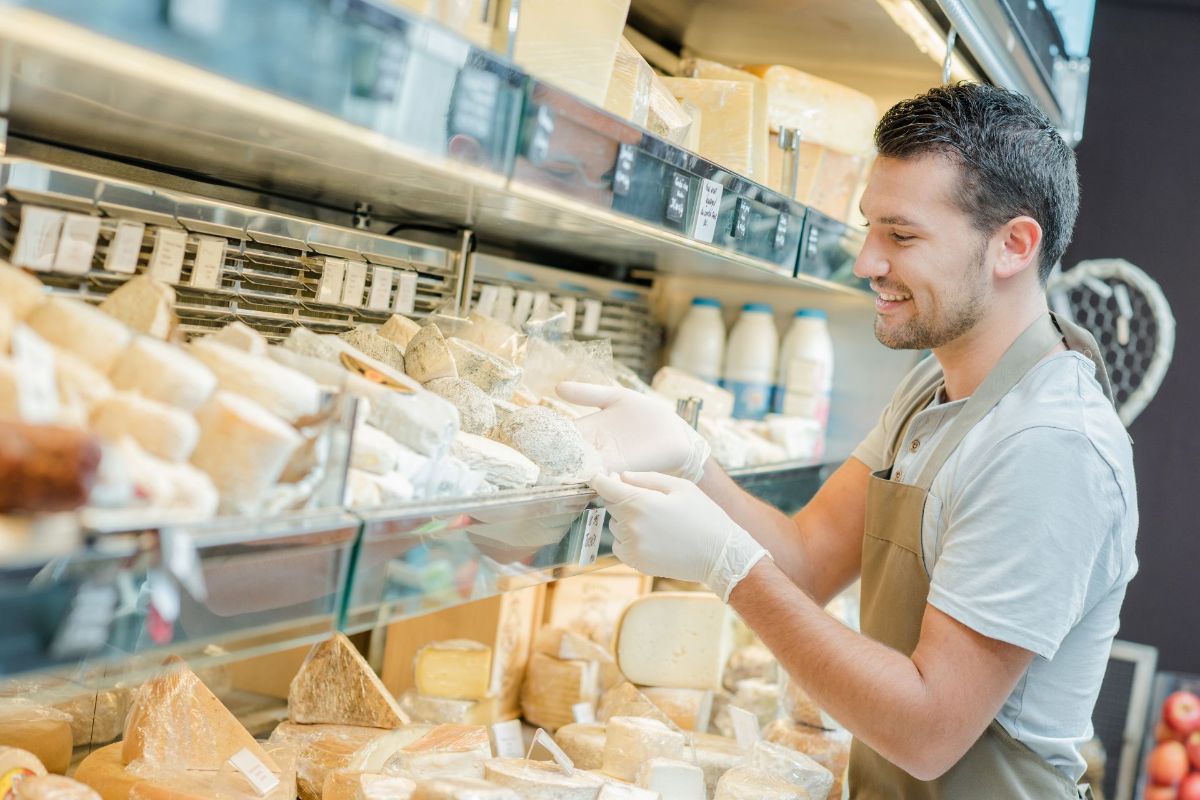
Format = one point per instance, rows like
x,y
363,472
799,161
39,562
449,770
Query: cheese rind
x,y
542,780
552,686
336,686
476,410
86,331
284,392
633,740
675,639
551,441
145,305
163,431
458,669
163,372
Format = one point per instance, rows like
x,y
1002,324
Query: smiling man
x,y
991,514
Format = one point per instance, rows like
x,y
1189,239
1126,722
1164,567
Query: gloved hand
x,y
633,431
668,527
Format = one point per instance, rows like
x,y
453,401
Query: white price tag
x,y
37,388
38,238
487,300
504,304
543,740
210,260
125,248
584,712
541,305
380,298
707,211
166,261
568,307
77,244
507,740
522,308
329,290
591,317
406,295
593,525
355,283
745,727
254,770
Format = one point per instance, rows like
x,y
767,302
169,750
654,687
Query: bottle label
x,y
751,399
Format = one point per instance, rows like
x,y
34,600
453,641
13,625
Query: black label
x,y
623,172
677,200
781,229
741,218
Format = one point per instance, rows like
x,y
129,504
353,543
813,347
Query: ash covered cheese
x,y
793,767
399,330
476,411
336,686
675,639
243,337
632,741
542,780
82,329
145,305
19,291
284,392
162,431
242,447
495,375
163,372
501,465
583,742
551,441
367,340
462,789
428,356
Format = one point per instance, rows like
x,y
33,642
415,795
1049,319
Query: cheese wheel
x,y
20,292
45,732
541,780
86,331
675,639
243,337
53,787
282,391
17,766
104,771
163,372
162,431
145,305
748,783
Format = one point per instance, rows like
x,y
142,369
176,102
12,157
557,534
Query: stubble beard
x,y
961,315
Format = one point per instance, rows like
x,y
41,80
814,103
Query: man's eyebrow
x,y
905,221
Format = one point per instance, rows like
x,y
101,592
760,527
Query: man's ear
x,y
1019,241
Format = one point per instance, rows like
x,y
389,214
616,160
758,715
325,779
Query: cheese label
x,y
125,248
474,106
539,143
593,525
355,283
486,304
37,238
781,229
507,739
368,372
741,218
709,208
381,289
522,308
623,172
504,304
77,244
10,780
745,727
254,771
406,295
584,712
543,741
210,258
329,290
591,317
166,260
677,199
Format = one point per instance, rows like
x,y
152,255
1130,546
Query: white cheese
x,y
748,783
284,392
715,755
793,767
86,331
163,372
495,375
399,330
675,779
243,337
162,431
501,465
166,486
676,384
551,441
145,305
690,709
632,741
462,789
367,340
541,780
78,382
626,700
476,411
447,751
321,749
374,451
428,356
583,742
675,639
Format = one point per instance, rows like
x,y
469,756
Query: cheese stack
x,y
563,671
457,681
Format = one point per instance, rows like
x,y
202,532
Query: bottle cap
x,y
758,308
710,302
815,313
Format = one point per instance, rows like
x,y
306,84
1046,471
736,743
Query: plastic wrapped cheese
x,y
86,331
690,709
541,780
793,767
634,740
799,706
163,372
827,113
163,431
145,305
444,752
284,392
19,291
702,68
629,88
52,787
39,730
668,119
829,748
496,376
15,761
321,749
374,451
569,645
715,755
626,700
727,135
337,686
673,778
476,409
551,441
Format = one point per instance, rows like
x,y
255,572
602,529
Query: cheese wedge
x,y
675,639
632,741
321,749
552,686
145,305
336,686
163,372
447,751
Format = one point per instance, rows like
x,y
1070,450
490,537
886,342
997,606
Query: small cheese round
x,y
551,441
54,787
163,372
476,410
85,330
162,431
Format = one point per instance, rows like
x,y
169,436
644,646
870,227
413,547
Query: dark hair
x,y
1015,162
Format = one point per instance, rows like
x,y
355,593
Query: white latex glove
x,y
633,431
668,527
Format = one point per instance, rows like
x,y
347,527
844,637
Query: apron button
x,y
899,474
916,445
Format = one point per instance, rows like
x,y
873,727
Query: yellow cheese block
x,y
458,669
727,134
552,686
336,686
761,134
45,732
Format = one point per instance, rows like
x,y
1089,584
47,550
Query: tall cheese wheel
x,y
86,331
53,787
44,732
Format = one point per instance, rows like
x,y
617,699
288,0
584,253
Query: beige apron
x,y
895,588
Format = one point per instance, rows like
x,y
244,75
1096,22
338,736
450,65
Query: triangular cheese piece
x,y
176,722
336,686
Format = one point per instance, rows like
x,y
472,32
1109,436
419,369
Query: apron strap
x,y
1022,356
1081,341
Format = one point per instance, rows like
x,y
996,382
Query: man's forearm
x,y
873,690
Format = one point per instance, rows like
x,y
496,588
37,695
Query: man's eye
x,y
896,237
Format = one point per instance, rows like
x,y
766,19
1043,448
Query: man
x,y
991,513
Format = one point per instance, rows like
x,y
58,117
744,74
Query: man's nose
x,y
871,262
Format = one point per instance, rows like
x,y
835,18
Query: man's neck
x,y
967,360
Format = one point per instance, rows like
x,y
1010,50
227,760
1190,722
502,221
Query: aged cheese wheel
x,y
104,771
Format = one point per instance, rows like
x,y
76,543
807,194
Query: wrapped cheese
x,y
337,686
321,749
702,68
727,135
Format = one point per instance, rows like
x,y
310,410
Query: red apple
x,y
1193,749
1167,764
1165,733
1182,711
1159,793
1190,788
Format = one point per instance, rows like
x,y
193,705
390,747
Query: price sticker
x,y
539,143
591,317
741,218
623,172
166,260
77,244
254,771
709,208
355,283
593,526
125,248
584,712
333,273
507,740
543,741
380,298
677,199
210,260
38,238
745,727
781,230
406,295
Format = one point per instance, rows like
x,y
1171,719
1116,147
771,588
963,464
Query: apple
x,y
1165,733
1182,711
1168,763
1193,749
1159,793
1190,788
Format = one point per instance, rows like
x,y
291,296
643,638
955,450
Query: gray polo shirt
x,y
1028,538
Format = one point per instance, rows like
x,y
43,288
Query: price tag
x,y
623,172
504,304
487,300
406,295
210,260
37,238
584,712
539,143
543,740
593,526
507,740
355,283
88,623
741,218
474,103
522,308
591,317
166,261
125,248
380,298
37,390
709,208
677,199
77,244
812,241
254,771
745,727
781,229
568,307
329,290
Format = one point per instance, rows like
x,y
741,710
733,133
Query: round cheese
x,y
163,372
162,431
104,771
551,441
541,780
86,331
45,732
53,787
476,410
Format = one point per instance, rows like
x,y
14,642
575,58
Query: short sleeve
x,y
1030,539
872,449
